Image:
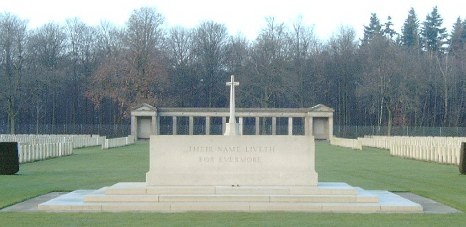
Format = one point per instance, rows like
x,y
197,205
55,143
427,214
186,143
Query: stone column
x,y
274,125
191,125
157,125
258,125
154,124
207,125
307,124
224,122
174,125
330,127
134,126
290,126
240,126
311,125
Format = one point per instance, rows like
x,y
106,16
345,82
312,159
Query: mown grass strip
x,y
92,168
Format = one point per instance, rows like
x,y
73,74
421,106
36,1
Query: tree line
x,y
80,74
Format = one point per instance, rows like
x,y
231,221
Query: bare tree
x,y
82,63
209,46
136,72
236,55
179,50
12,49
268,66
236,63
108,40
381,82
45,51
303,46
344,72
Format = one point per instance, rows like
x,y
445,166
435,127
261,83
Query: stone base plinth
x,y
232,129
325,197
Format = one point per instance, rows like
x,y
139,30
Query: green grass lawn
x,y
92,168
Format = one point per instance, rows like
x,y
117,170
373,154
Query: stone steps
x,y
139,197
233,206
233,198
126,188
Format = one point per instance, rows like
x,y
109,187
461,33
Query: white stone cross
x,y
231,127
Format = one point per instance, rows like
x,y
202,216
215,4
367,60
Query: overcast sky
x,y
240,16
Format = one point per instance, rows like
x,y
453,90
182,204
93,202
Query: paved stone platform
x,y
429,206
31,205
326,197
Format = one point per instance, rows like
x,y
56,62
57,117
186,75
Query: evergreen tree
x,y
410,30
433,34
458,35
388,30
374,29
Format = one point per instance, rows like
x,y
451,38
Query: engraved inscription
x,y
260,149
230,154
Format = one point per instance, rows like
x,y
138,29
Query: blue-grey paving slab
x,y
430,206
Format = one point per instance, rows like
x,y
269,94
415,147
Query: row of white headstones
x,y
445,150
39,147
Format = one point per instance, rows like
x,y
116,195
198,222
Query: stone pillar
x,y
134,126
330,127
258,125
191,125
224,122
311,125
274,125
290,126
157,125
207,125
307,124
240,126
175,125
154,124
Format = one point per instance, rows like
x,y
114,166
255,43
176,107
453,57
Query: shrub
x,y
9,160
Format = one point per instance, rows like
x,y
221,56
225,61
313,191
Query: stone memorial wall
x,y
232,160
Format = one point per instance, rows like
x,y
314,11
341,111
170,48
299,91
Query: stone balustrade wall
x,y
118,142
